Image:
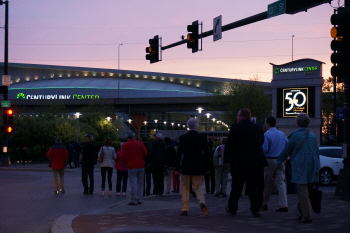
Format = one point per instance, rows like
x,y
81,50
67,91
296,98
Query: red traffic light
x,y
9,112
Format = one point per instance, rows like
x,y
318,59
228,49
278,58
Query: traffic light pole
x,y
343,184
4,154
239,23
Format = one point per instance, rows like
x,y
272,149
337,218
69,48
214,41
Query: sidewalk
x,y
162,214
41,167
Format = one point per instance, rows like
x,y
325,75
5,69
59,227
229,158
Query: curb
x,y
63,224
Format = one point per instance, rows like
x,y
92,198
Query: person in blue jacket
x,y
303,150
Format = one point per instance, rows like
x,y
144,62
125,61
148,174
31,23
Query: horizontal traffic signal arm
x,y
295,6
239,23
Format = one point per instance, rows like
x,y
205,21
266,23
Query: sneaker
x,y
282,209
204,209
257,214
184,213
132,203
230,211
264,207
55,192
306,220
62,191
124,194
118,194
139,202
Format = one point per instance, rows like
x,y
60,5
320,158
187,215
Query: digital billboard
x,y
292,101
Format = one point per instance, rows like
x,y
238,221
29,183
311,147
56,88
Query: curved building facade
x,y
152,95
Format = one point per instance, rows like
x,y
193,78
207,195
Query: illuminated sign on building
x,y
56,96
307,69
293,101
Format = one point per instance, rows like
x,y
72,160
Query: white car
x,y
331,162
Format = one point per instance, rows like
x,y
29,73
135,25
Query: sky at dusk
x,y
87,33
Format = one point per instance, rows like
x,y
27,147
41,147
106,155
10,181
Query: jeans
x,y
176,182
109,170
55,178
122,176
87,171
168,173
136,184
221,176
158,180
148,180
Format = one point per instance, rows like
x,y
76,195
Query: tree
x,y
238,94
328,108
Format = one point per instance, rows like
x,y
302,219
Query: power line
x,y
170,59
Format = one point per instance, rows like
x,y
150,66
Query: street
x,y
28,203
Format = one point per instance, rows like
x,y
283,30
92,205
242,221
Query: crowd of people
x,y
255,159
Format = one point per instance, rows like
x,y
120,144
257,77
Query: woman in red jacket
x,y
58,155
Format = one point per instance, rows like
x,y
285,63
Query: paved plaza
x,y
162,213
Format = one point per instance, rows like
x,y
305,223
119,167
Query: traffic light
x,y
192,36
9,129
153,50
341,43
9,116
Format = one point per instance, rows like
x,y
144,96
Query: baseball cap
x,y
158,135
130,134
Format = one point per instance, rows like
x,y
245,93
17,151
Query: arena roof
x,y
64,80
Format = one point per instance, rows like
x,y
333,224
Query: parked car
x,y
331,162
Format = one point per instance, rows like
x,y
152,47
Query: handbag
x,y
315,196
101,155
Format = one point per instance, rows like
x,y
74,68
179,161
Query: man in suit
x,y
244,153
193,161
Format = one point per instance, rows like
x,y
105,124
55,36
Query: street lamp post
x,y
155,128
172,132
208,115
183,126
164,125
129,120
145,122
178,132
118,70
213,126
108,119
200,109
77,114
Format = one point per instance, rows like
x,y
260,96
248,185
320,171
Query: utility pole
x,y
4,154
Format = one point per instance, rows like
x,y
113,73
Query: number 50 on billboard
x,y
295,101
